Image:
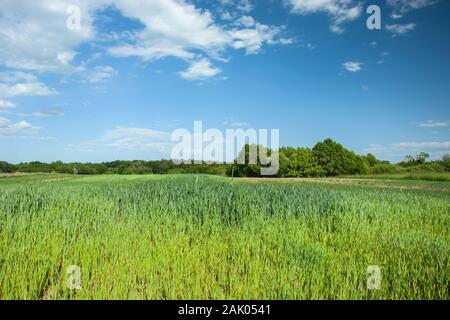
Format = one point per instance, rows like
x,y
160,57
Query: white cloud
x,y
341,11
245,6
400,29
286,41
352,66
127,138
434,124
251,35
26,89
13,84
422,145
17,76
246,21
66,57
396,16
22,128
3,122
44,113
177,28
155,51
200,70
401,149
172,28
226,15
6,105
100,73
404,6
136,138
34,35
49,112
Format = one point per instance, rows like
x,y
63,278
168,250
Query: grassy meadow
x,y
204,237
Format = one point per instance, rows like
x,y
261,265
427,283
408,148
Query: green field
x,y
202,237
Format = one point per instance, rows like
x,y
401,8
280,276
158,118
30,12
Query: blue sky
x,y
134,71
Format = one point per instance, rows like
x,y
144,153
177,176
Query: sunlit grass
x,y
198,237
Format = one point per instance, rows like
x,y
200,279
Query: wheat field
x,y
201,237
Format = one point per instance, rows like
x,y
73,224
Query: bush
x,y
381,168
428,167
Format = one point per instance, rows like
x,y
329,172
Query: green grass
x,y
420,175
398,184
200,237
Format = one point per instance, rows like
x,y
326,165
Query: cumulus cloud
x,y
13,84
26,89
352,66
34,35
200,70
172,27
251,35
340,11
16,84
66,57
177,28
400,29
237,6
22,128
404,6
6,105
245,6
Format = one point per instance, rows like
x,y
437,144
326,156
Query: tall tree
x,y
337,160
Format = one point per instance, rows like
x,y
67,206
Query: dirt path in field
x,y
12,175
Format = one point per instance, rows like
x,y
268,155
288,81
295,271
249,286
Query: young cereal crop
x,y
199,237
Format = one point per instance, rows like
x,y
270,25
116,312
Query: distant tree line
x,y
326,159
114,167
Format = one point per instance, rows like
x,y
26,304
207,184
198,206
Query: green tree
x,y
422,157
137,167
245,166
337,160
5,167
298,162
372,161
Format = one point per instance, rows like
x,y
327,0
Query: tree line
x,y
329,158
326,159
